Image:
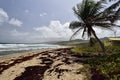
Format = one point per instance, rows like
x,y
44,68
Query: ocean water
x,y
6,49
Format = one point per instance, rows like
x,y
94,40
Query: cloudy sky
x,y
38,20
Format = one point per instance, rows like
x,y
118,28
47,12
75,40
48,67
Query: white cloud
x,y
3,16
46,32
43,14
15,22
55,30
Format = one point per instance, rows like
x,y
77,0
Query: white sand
x,y
16,70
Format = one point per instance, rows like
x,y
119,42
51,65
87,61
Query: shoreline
x,y
15,55
39,64
12,58
25,48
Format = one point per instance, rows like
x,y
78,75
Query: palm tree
x,y
91,14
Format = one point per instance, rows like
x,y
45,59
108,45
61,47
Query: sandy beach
x,y
50,64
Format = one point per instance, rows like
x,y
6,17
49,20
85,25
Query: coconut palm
x,y
91,14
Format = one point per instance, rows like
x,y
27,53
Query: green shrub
x,y
87,50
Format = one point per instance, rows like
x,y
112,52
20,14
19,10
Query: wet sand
x,y
51,64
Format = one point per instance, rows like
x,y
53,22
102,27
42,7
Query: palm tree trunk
x,y
101,44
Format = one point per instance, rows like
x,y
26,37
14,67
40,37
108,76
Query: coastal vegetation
x,y
100,67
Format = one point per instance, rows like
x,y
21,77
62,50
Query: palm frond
x,y
76,32
76,13
110,10
112,7
83,33
75,24
97,7
105,1
109,17
86,10
103,25
106,25
115,25
116,16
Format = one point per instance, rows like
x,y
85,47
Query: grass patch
x,y
102,68
89,51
